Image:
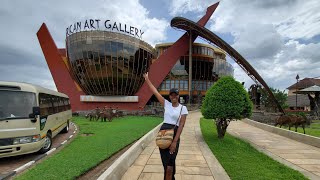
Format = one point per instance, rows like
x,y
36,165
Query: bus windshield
x,y
16,104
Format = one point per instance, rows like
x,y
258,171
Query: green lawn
x,y
316,121
312,130
85,152
242,161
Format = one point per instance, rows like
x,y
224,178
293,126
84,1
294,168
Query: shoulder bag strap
x,y
178,116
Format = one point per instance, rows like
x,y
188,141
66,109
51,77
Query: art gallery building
x,y
108,66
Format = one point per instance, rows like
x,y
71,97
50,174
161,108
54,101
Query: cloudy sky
x,y
280,38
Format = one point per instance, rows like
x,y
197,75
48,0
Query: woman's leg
x,y
164,154
168,163
171,165
168,160
169,173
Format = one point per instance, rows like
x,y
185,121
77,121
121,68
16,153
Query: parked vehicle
x,y
30,116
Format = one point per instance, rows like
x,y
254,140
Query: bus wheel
x,y
47,144
66,129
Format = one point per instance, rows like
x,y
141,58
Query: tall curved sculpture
x,y
194,28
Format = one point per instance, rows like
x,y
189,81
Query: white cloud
x,y
280,71
258,41
178,7
241,76
155,31
293,19
133,13
302,22
20,21
266,33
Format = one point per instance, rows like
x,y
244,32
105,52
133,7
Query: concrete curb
x,y
303,138
121,165
28,165
216,168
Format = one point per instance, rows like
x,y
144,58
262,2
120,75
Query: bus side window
x,y
67,103
61,104
51,108
55,101
45,104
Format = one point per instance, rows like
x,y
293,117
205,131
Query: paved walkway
x,y
194,160
299,156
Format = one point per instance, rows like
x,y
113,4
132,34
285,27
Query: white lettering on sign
x,y
97,24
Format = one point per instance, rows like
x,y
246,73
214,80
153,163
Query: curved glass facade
x,y
208,64
108,63
222,68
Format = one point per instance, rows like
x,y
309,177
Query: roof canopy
x,y
304,83
311,89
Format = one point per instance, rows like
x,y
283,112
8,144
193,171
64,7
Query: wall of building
x,y
208,64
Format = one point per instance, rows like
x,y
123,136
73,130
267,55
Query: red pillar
x,y
162,66
58,69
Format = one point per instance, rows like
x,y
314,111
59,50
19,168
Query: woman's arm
x,y
153,89
179,131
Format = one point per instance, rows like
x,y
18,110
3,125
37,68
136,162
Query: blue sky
x,y
280,38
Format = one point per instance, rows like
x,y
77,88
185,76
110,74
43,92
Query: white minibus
x,y
30,116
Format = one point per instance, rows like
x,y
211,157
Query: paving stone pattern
x,y
190,163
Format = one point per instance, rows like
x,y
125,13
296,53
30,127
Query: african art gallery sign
x,y
97,24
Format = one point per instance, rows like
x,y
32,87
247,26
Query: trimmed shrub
x,y
225,101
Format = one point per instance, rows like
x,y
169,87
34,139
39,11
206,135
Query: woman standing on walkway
x,y
172,117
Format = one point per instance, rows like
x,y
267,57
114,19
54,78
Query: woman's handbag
x,y
165,136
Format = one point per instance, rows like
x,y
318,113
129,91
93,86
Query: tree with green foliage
x,y
281,97
225,101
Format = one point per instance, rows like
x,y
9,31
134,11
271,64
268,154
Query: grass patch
x,y
241,160
85,152
312,130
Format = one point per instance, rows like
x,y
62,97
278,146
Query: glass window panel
x,y
186,85
114,48
162,86
167,84
107,48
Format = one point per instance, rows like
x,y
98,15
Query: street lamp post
x,y
297,78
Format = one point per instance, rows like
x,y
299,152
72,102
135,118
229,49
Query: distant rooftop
x,y
304,83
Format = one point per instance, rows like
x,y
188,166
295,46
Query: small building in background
x,y
302,102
